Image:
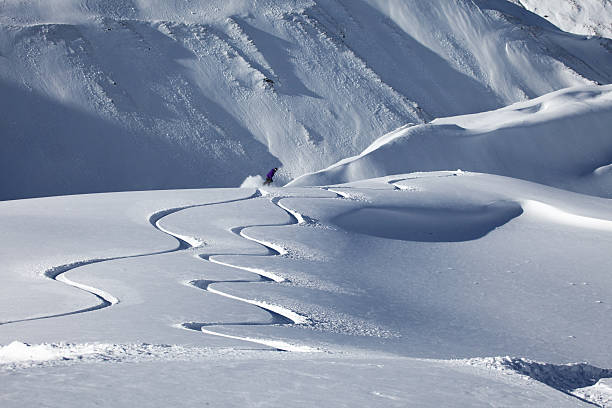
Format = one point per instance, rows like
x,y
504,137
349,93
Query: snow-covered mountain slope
x,y
561,139
117,95
365,292
589,17
246,378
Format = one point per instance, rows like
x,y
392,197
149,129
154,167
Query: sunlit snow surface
x,y
391,278
561,139
402,287
584,17
112,95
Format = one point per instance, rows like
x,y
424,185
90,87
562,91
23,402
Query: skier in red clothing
x,y
269,176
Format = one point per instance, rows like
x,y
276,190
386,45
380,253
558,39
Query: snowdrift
x,y
106,96
561,139
429,224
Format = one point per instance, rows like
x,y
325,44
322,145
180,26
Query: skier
x,y
269,176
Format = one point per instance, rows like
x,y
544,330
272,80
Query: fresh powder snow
x,y
438,233
101,96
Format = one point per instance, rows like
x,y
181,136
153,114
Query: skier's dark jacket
x,y
271,174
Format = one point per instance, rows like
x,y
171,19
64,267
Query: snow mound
x,y
551,213
17,352
429,224
579,379
23,355
600,393
560,376
561,139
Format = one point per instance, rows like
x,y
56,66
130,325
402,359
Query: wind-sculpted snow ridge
x,y
568,378
424,223
560,139
489,216
18,355
549,212
429,225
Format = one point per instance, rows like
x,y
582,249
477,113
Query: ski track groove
x,y
279,315
106,299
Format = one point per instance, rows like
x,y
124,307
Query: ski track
x,y
339,194
279,315
106,299
448,174
567,378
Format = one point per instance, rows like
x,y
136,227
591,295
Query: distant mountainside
x,y
132,94
589,17
561,139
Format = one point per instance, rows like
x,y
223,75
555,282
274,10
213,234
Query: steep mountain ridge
x,y
588,17
561,139
106,96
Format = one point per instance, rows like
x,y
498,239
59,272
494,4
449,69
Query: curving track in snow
x,y
57,273
279,315
106,299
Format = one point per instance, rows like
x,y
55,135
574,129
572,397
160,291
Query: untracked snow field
x,y
405,290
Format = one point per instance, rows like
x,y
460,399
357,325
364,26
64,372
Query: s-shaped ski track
x,y
280,315
106,299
